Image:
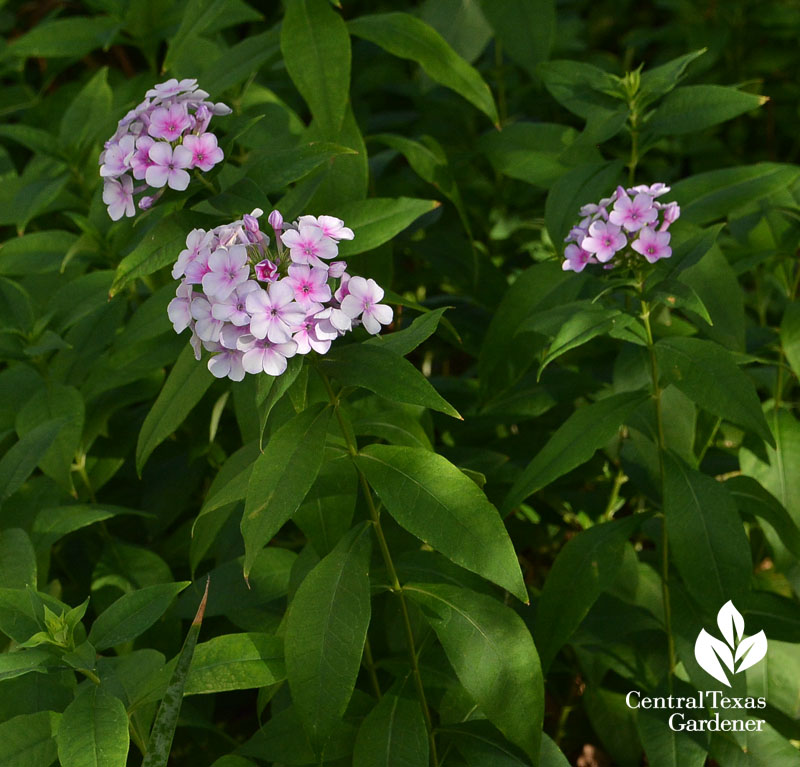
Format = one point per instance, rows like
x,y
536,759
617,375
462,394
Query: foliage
x,y
461,541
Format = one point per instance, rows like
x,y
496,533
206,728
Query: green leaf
x,y
586,183
493,656
718,194
592,321
20,662
664,746
707,374
672,293
433,500
327,512
56,401
661,80
17,559
407,37
160,743
378,220
790,336
159,247
69,38
393,733
583,569
550,754
274,170
582,88
281,477
52,524
23,457
526,28
538,153
94,99
693,108
185,386
35,252
575,442
778,474
404,341
197,16
751,498
316,50
28,740
707,541
326,628
93,730
385,373
132,614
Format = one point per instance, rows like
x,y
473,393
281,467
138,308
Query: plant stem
x,y
390,570
89,675
370,664
661,451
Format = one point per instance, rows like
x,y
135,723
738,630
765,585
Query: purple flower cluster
x,y
253,306
601,233
157,143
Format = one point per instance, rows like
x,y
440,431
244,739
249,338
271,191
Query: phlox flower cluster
x,y
157,143
254,306
636,220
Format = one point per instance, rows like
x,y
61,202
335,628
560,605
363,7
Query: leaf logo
x,y
734,654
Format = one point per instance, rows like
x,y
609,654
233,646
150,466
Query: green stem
x,y
89,675
709,441
661,450
390,570
619,480
370,664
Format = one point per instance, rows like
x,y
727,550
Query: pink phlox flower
x,y
274,311
204,150
652,245
196,242
261,354
117,157
336,269
310,285
228,268
227,363
207,328
363,300
169,122
201,118
168,166
276,221
140,161
654,190
671,212
577,233
171,88
198,267
266,271
308,245
604,240
118,196
233,308
230,335
576,258
196,343
329,225
220,110
342,292
179,310
305,333
632,215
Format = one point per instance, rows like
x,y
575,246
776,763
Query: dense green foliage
x,y
466,539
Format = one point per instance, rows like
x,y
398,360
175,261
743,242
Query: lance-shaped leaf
x,y
185,386
94,730
388,374
166,721
282,476
438,503
326,628
583,569
575,442
705,373
707,540
408,37
28,740
393,733
493,655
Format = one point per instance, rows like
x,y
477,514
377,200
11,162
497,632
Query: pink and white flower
x,y
632,215
168,166
227,269
273,312
330,226
363,300
652,245
307,245
169,123
604,240
204,150
118,195
310,285
263,355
